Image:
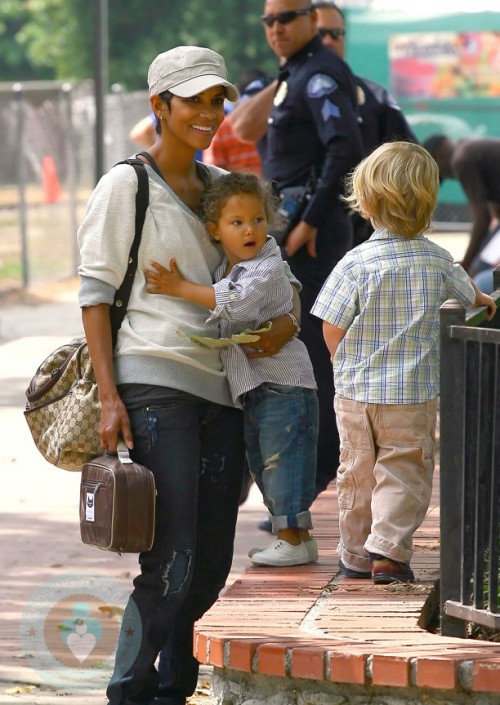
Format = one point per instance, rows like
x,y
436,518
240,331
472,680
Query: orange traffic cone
x,y
51,185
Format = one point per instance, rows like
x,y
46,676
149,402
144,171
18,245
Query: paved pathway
x,y
39,530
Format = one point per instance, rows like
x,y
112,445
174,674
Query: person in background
x,y
486,262
305,125
380,311
277,392
485,279
144,131
380,117
226,150
476,164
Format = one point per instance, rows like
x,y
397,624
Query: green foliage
x,y
14,64
56,38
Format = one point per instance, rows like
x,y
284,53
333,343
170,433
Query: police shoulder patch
x,y
321,84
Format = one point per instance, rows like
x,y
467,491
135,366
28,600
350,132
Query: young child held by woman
x,y
380,310
277,392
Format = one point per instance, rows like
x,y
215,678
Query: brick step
x,y
310,623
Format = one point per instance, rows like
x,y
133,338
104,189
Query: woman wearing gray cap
x,y
167,397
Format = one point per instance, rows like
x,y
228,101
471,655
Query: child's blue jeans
x,y
281,435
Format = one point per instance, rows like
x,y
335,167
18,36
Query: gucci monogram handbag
x,y
62,403
63,409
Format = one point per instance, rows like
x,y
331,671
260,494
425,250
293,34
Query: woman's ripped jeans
x,y
195,450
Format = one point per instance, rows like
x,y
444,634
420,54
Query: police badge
x,y
281,94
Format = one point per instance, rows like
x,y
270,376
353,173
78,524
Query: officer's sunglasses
x,y
284,17
333,33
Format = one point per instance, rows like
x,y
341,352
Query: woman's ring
x,y
259,350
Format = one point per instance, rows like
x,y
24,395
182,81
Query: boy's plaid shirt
x,y
386,294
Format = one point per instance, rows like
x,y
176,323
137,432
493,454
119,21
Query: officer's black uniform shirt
x,y
380,117
252,89
314,123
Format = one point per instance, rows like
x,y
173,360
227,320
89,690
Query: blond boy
x,y
380,311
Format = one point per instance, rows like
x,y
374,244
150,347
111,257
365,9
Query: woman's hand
x,y
160,280
114,424
271,342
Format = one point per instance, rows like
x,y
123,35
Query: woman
x,y
167,397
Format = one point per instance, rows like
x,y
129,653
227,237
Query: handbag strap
x,y
152,163
118,309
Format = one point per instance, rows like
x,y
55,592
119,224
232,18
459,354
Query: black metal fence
x,y
470,467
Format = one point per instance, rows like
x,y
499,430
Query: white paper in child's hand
x,y
246,336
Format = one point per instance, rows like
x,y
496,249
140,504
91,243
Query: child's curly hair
x,y
223,187
397,185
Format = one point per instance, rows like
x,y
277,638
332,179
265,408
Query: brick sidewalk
x,y
314,629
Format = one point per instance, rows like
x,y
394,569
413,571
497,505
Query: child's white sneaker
x,y
282,553
311,545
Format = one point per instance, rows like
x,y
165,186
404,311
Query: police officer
x,y
304,124
380,117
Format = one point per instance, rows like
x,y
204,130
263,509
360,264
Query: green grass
x,y
10,270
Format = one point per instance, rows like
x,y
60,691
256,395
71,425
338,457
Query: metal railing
x,y
470,467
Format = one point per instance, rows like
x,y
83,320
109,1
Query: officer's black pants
x,y
333,241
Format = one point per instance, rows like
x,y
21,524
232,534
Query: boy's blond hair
x,y
397,186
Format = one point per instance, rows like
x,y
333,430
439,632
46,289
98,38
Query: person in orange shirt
x,y
226,150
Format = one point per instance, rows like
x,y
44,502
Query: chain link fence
x,y
47,172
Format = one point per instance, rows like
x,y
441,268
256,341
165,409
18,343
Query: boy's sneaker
x,y
351,573
282,553
311,546
386,571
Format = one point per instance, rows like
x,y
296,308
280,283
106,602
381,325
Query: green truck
x,y
442,69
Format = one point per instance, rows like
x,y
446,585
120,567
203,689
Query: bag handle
x,y
122,453
118,309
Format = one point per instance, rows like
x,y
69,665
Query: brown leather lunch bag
x,y
117,504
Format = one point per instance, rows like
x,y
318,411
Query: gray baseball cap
x,y
186,71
